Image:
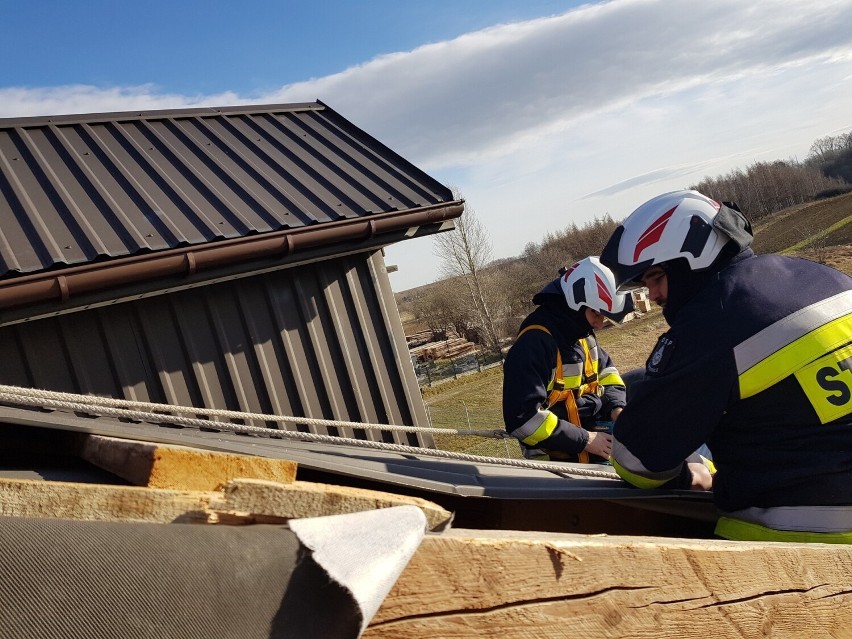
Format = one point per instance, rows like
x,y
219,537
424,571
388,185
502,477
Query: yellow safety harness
x,y
556,388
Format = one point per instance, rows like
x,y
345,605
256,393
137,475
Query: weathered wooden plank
x,y
466,584
179,467
242,501
308,499
100,502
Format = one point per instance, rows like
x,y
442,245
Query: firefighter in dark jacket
x,y
757,362
558,382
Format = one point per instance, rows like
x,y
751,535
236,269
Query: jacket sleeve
x,y
527,371
614,391
689,380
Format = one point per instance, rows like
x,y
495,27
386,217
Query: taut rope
x,y
153,412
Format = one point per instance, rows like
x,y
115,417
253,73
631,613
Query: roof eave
x,y
59,288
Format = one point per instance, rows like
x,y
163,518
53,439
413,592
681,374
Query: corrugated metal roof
x,y
85,188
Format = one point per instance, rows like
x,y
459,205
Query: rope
x,y
96,400
110,407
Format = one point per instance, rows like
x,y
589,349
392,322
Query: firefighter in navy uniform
x,y
558,382
757,362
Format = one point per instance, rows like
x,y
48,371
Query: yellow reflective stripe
x,y
827,382
575,381
611,379
739,530
637,480
790,358
788,329
544,431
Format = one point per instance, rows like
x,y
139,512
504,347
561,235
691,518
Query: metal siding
x,y
15,369
307,341
133,374
74,189
44,350
404,391
268,348
89,360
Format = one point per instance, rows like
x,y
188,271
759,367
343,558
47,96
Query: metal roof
x,y
401,469
85,189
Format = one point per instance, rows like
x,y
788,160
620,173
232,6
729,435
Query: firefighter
x,y
757,363
561,391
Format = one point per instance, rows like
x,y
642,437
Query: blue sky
x,y
211,46
542,113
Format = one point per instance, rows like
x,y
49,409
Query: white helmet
x,y
679,224
590,283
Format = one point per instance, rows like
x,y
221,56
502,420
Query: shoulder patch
x,y
660,356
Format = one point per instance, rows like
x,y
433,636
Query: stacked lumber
x,y
453,347
180,484
419,339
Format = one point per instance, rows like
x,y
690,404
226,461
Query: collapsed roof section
x,y
100,207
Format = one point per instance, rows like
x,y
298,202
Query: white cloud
x,y
556,120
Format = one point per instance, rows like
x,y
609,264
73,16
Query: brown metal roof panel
x,y
106,167
288,163
78,189
73,174
348,191
384,169
280,188
158,190
32,216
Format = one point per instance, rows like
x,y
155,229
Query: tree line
x,y
484,300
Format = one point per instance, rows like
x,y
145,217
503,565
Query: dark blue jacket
x,y
530,366
755,364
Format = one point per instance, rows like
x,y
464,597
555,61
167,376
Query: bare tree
x,y
464,254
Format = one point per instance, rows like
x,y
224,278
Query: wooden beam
x,y
241,502
465,584
100,502
307,499
179,467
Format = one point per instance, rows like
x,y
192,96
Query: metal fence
x,y
435,371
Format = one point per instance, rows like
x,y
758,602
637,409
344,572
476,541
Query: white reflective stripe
x,y
574,369
532,424
799,518
593,347
788,329
631,463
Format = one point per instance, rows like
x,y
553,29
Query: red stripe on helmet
x,y
603,292
652,234
569,271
